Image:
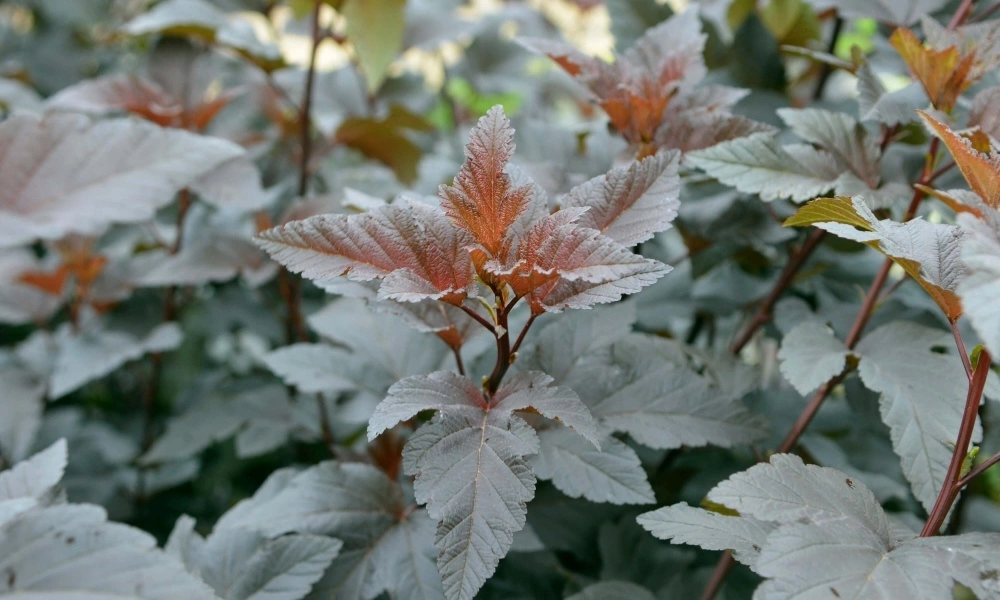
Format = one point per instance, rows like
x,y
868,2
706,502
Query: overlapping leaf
x,y
944,73
807,528
62,174
811,355
838,147
981,169
386,547
929,252
469,462
922,398
649,92
416,252
981,285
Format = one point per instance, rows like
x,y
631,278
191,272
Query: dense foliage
x,y
471,298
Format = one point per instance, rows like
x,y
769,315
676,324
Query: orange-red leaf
x,y
943,73
483,200
981,169
410,246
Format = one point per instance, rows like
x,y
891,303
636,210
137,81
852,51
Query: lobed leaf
x,y
683,524
981,170
811,355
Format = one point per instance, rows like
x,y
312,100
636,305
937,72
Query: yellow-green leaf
x,y
375,29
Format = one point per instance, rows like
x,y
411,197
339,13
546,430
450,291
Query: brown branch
x,y
520,337
963,12
763,314
951,488
826,69
503,351
489,326
458,359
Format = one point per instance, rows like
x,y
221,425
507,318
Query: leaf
x,y
630,204
469,462
70,176
94,353
630,19
310,368
449,392
483,199
928,252
981,170
471,474
23,399
202,20
945,74
408,245
665,406
386,139
613,589
241,564
875,103
375,29
851,562
71,551
234,185
840,135
117,93
612,473
786,490
35,477
888,11
385,549
218,259
563,265
923,394
217,418
757,164
683,524
811,355
979,288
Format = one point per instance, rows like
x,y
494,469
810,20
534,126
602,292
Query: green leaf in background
x,y
375,28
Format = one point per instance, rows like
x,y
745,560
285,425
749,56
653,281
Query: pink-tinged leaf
x,y
483,199
980,169
569,58
411,246
631,204
62,174
112,93
578,267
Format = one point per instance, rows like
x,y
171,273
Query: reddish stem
x,y
763,314
951,487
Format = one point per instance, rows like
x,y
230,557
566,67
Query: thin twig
x,y
458,360
489,326
763,314
950,489
978,470
827,68
960,344
524,331
963,12
503,352
987,13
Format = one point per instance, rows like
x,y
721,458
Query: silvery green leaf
x,y
979,289
241,564
94,353
666,406
568,344
839,134
786,490
310,367
385,547
72,551
875,103
923,395
612,474
35,477
848,560
683,524
533,389
217,418
471,474
810,355
604,590
22,399
883,11
758,164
